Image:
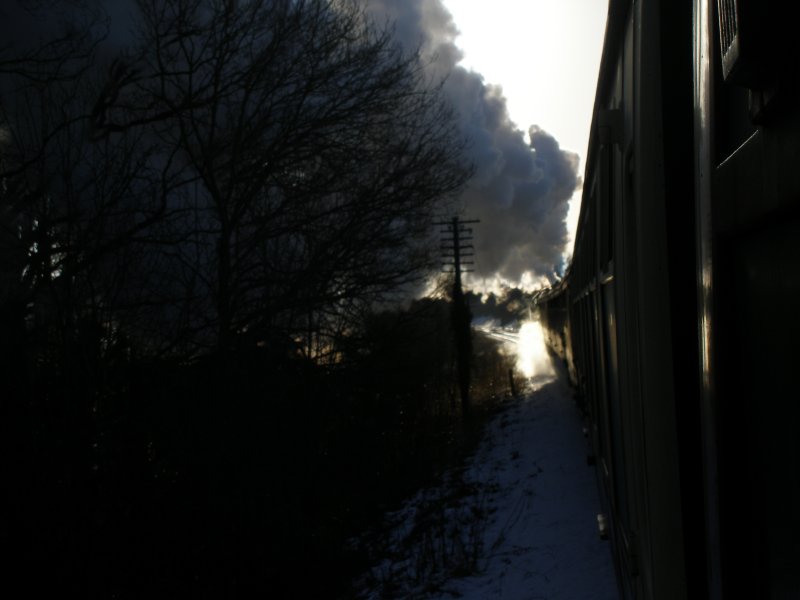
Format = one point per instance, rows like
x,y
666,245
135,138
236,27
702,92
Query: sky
x,y
544,53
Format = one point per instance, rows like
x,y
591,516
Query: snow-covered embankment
x,y
518,521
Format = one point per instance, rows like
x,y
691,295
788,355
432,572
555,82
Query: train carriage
x,y
678,315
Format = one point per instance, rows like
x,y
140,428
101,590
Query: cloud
x,y
523,181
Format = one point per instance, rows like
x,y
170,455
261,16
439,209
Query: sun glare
x,y
533,359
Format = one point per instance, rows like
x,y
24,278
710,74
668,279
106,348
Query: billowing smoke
x,y
522,183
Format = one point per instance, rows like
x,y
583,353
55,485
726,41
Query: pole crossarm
x,y
454,245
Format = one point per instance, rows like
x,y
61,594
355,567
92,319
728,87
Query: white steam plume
x,y
522,184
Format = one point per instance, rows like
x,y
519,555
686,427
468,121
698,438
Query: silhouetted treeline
x,y
511,305
199,397
206,480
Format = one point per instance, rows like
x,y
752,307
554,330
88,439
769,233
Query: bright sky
x,y
545,54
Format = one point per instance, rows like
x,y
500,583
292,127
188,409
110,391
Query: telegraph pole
x,y
455,248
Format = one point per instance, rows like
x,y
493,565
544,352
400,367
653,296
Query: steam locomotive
x,y
678,315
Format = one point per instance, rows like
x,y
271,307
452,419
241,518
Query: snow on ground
x,y
519,522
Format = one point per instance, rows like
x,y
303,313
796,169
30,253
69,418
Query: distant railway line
x,y
499,333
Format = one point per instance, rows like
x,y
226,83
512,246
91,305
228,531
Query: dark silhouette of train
x,y
678,316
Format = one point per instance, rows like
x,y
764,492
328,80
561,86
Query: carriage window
x,y
610,135
733,124
743,40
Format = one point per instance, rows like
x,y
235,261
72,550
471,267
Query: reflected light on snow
x,y
533,359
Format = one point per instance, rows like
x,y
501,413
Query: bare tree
x,y
317,151
254,172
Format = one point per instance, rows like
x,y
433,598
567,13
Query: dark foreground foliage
x,y
224,478
195,218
